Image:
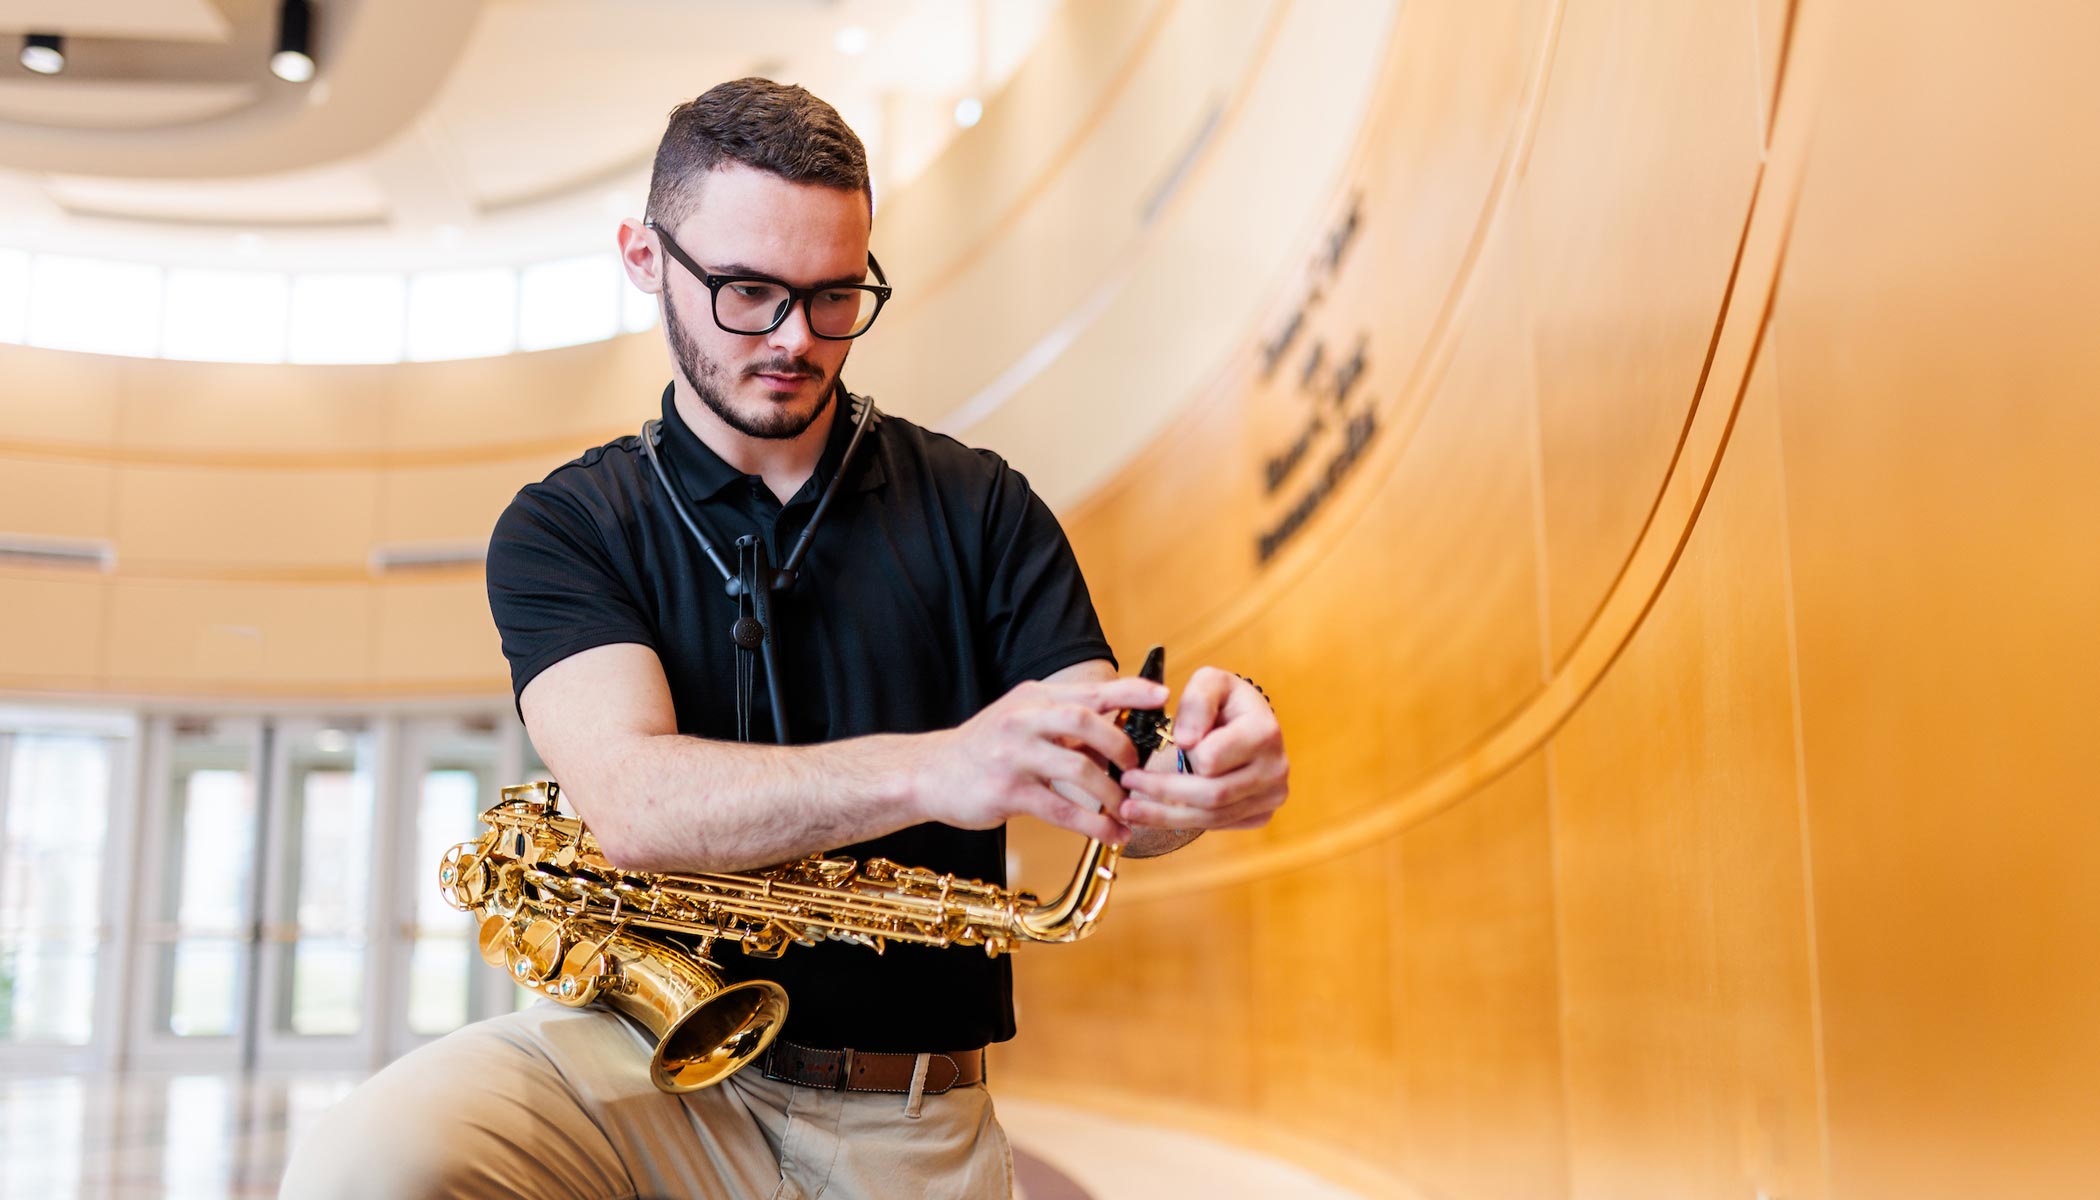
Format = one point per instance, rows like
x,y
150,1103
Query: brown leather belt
x,y
863,1071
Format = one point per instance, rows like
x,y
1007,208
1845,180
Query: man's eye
x,y
749,291
836,298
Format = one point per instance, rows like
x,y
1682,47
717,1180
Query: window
x,y
638,309
226,316
462,314
202,315
92,305
14,296
348,318
569,300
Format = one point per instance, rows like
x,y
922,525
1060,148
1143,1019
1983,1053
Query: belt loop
x,y
918,1086
845,1069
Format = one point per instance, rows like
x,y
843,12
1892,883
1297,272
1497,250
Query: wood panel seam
x,y
1800,736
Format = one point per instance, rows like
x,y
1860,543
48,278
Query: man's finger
x,y
1054,809
1202,700
1070,769
1116,694
1196,791
1232,745
1088,728
1153,814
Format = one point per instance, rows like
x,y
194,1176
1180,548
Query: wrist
x,y
905,781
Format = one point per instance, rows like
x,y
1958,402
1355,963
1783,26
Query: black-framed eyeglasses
x,y
751,305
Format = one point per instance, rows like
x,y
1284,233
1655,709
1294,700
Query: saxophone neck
x,y
1070,915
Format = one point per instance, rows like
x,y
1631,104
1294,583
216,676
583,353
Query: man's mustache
x,y
785,366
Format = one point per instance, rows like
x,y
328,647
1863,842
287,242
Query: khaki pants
x,y
556,1102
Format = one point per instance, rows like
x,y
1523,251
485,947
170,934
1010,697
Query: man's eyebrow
x,y
745,269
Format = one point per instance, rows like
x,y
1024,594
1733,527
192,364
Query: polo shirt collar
x,y
703,474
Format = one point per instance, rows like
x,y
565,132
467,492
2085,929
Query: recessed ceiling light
x,y
294,61
44,53
853,41
968,111
291,66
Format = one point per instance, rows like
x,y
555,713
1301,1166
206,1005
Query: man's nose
x,y
793,335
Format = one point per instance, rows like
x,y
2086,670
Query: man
x,y
940,671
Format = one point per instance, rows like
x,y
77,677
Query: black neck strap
x,y
754,581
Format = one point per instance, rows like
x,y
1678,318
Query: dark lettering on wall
x,y
1325,264
1328,382
1273,350
1279,466
1311,370
1356,438
1347,374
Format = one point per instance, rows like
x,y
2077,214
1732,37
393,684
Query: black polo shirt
x,y
936,582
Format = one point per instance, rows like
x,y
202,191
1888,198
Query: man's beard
x,y
777,423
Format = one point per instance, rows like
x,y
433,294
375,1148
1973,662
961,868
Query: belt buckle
x,y
845,1069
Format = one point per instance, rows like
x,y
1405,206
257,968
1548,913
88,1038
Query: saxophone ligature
x,y
564,922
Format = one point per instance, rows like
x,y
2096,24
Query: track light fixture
x,y
44,53
294,60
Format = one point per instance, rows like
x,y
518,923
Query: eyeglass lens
x,y
754,306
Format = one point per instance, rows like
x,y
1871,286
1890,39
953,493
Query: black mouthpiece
x,y
1142,725
1155,668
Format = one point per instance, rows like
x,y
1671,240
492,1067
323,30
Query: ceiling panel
x,y
95,104
146,20
329,195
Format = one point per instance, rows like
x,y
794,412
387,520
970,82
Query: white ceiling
x,y
437,130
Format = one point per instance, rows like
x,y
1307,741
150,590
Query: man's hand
x,y
1003,761
1239,775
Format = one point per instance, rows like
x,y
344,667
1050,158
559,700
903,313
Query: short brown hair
x,y
774,127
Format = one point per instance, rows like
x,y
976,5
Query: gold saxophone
x,y
563,921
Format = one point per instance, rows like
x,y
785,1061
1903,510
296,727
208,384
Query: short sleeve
x,y
553,589
1039,616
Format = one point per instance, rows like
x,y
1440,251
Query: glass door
x,y
453,770
200,892
289,914
317,990
61,791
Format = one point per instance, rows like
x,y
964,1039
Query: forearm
x,y
676,803
660,801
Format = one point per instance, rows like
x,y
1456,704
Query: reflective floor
x,y
124,1137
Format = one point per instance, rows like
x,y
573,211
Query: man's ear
x,y
639,256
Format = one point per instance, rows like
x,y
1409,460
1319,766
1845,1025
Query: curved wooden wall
x,y
1675,568
1688,659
